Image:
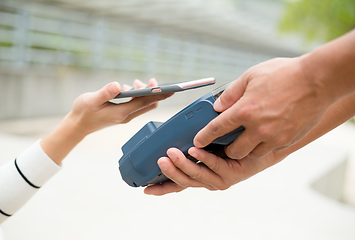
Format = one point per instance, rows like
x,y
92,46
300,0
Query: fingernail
x,y
173,157
114,88
193,154
217,105
197,144
163,166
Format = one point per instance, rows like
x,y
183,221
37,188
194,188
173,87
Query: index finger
x,y
224,123
231,94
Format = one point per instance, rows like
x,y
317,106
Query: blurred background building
x,y
52,51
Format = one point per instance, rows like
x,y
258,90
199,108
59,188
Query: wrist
x,y
63,139
317,77
331,66
74,123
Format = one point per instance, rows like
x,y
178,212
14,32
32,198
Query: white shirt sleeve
x,y
20,179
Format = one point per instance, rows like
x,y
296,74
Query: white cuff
x,y
36,166
20,179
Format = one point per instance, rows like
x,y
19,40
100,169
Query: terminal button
x,y
189,115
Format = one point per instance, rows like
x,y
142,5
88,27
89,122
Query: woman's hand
x,y
92,112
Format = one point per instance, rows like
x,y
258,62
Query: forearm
x,y
331,67
338,113
21,178
62,139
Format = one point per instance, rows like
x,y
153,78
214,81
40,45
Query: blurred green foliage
x,y
318,20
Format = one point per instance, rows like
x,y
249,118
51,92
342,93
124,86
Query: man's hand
x,y
284,104
275,102
213,172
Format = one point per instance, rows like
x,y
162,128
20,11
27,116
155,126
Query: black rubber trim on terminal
x,y
23,176
5,214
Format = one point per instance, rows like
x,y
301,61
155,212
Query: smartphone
x,y
167,88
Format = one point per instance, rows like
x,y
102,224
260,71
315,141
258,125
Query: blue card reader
x,y
138,165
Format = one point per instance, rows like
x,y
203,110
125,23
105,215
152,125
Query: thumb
x,y
231,94
107,93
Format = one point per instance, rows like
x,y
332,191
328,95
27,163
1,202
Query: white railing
x,y
28,38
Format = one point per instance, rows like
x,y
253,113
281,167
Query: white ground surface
x,y
88,199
